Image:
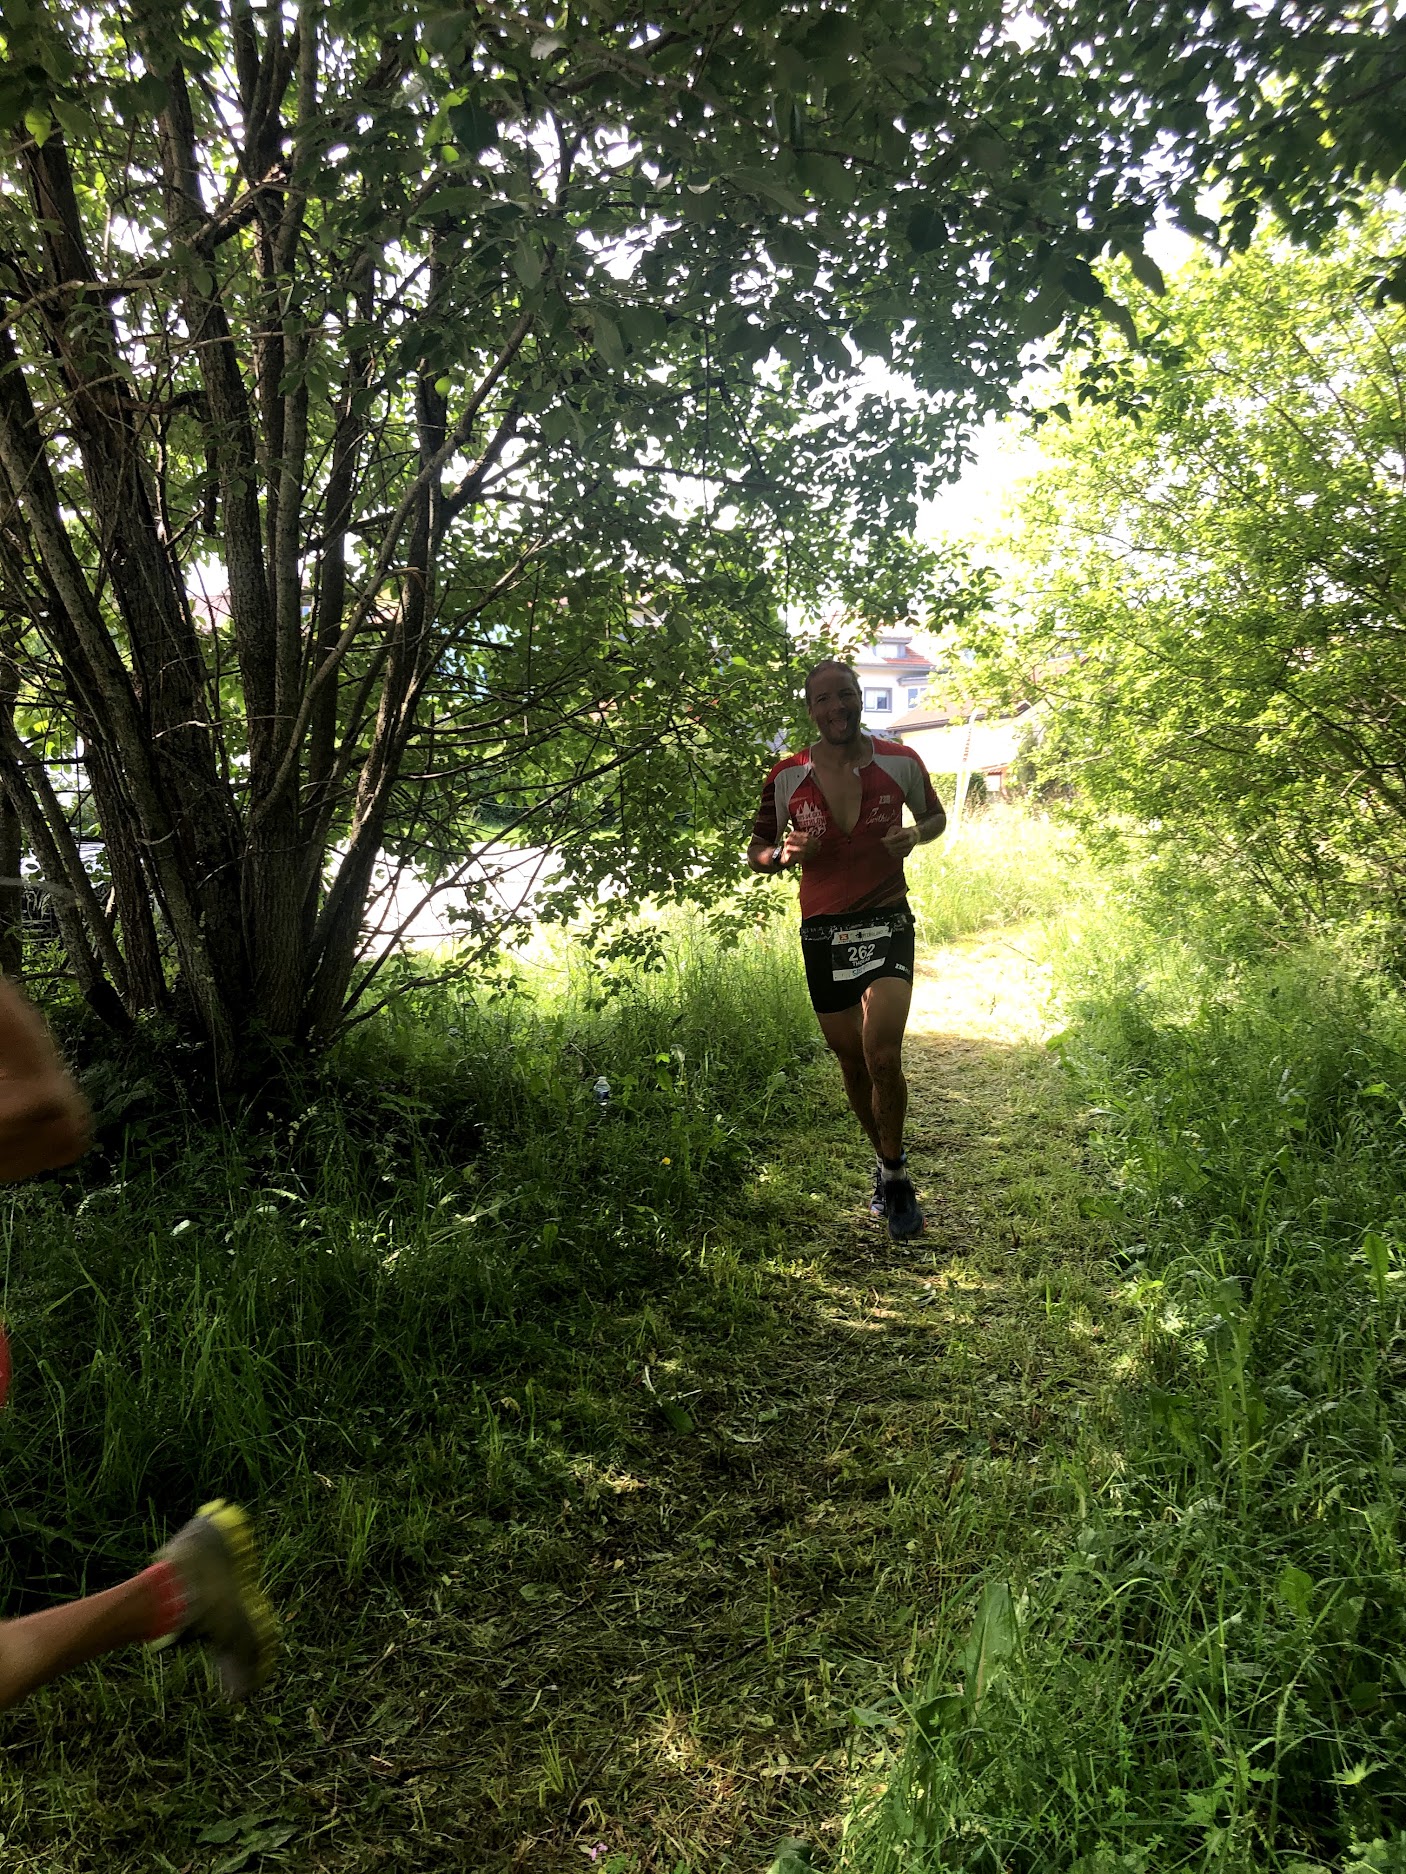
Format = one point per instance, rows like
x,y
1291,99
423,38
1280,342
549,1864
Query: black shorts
x,y
844,954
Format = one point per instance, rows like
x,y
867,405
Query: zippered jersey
x,y
852,871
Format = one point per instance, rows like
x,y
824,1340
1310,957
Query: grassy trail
x,y
707,1646
701,1544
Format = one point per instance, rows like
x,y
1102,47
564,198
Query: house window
x,y
893,647
914,692
878,701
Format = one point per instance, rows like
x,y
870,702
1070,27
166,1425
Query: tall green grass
x,y
317,1311
1209,1670
1003,866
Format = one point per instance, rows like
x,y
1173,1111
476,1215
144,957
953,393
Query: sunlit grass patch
x,y
1003,866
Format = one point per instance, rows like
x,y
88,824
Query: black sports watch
x,y
776,864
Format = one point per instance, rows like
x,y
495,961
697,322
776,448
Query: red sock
x,y
169,1602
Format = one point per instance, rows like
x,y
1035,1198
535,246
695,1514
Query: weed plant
x,y
310,1314
1211,1672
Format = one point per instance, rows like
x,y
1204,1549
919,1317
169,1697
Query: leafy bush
x,y
328,1291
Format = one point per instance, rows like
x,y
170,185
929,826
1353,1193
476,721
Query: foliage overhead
x,y
414,418
1212,592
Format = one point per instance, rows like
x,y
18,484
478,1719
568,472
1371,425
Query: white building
x,y
893,675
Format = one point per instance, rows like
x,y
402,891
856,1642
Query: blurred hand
x,y
797,847
43,1117
899,841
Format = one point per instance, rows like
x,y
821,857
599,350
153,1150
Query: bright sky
x,y
979,503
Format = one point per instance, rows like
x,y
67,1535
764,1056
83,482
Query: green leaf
x,y
474,127
1376,1252
1116,313
763,183
789,247
991,155
642,327
527,265
992,1640
926,230
874,338
75,120
833,36
1043,313
606,335
1295,1590
827,177
1146,271
1349,1779
674,1416
455,200
1081,283
151,94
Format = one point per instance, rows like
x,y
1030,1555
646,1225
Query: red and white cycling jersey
x,y
852,871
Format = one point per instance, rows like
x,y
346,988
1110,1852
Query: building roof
x,y
905,660
920,719
942,716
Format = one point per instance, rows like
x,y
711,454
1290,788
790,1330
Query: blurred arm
x,y
44,1119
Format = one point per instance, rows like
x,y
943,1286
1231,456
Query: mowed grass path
x,y
707,1648
704,1646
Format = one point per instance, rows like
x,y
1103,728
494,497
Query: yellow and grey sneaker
x,y
216,1570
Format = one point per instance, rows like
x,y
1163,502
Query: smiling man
x,y
835,811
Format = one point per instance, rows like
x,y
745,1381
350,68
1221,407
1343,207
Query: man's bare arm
x,y
44,1119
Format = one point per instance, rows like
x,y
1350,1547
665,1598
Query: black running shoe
x,y
901,1208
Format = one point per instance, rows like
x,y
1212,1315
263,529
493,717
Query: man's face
x,y
834,705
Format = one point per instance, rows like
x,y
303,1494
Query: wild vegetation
x,y
1206,584
417,432
1191,1664
1199,1669
591,1498
418,422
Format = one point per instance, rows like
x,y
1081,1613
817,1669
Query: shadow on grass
x,y
633,1556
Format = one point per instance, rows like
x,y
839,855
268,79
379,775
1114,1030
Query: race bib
x,y
858,950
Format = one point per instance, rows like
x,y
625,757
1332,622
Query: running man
x,y
836,811
203,1582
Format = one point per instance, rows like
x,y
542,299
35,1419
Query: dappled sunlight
x,y
992,989
670,1587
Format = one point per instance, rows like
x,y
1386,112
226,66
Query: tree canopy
x,y
1212,592
415,418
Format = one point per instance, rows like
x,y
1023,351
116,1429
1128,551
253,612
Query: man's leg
x,y
203,1582
38,1647
885,1018
844,1032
